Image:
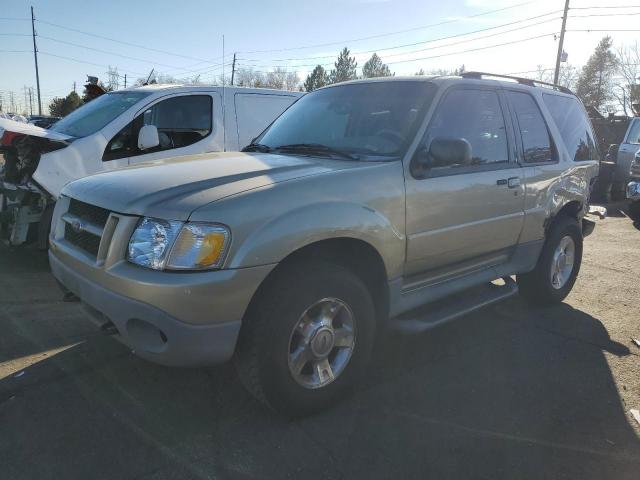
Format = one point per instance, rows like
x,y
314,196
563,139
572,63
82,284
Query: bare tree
x,y
567,78
292,81
276,78
627,92
248,77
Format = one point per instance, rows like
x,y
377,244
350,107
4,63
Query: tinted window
x,y
377,118
536,141
255,112
476,116
96,114
181,121
634,133
574,126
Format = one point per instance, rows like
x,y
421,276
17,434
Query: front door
x,y
186,125
466,216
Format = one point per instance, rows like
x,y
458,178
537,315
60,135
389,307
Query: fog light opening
x,y
145,336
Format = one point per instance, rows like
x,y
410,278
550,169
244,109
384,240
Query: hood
x,y
171,189
29,129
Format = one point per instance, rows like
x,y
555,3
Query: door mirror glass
x,y
148,137
448,152
612,153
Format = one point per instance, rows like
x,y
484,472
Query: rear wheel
x,y
306,338
634,210
558,266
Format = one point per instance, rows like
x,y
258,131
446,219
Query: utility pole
x,y
74,87
31,100
233,68
125,80
556,74
35,56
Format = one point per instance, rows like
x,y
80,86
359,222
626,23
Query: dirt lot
x,y
509,392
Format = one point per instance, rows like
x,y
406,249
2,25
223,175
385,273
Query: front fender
x,y
296,228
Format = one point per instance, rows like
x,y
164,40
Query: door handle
x,y
513,182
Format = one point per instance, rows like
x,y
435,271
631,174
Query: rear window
x,y
574,127
634,133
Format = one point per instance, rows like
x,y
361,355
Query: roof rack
x,y
523,81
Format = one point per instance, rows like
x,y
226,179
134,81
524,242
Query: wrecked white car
x,y
118,129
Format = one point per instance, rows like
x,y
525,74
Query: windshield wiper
x,y
257,147
317,148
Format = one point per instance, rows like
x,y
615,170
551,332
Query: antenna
x,y
149,77
224,130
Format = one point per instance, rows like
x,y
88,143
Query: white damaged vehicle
x,y
118,129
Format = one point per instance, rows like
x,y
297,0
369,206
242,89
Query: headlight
x,y
172,245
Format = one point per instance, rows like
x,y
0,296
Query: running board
x,y
453,306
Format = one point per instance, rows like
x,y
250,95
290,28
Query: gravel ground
x,y
508,392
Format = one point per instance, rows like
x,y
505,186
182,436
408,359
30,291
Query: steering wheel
x,y
394,136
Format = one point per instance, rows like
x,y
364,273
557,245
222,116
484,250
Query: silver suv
x,y
395,203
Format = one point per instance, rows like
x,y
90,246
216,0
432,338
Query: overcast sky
x,y
185,38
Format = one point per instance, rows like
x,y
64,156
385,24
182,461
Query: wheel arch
x,y
357,255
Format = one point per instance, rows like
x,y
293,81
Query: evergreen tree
x,y
345,68
316,79
375,68
594,84
63,106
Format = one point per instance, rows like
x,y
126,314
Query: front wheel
x,y
306,338
557,269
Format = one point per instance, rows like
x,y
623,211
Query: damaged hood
x,y
173,188
28,129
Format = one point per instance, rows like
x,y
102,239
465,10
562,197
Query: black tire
x,y
262,354
618,192
536,286
634,210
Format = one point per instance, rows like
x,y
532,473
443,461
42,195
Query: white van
x,y
118,129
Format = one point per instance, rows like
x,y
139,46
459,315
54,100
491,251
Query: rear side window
x,y
634,133
574,127
536,141
255,112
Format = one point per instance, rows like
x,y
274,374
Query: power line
x,y
397,32
83,61
107,52
121,42
625,14
605,7
441,38
604,30
435,56
452,43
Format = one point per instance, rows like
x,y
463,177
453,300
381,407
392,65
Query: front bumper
x,y
187,335
633,190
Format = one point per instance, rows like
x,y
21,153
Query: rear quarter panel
x,y
552,186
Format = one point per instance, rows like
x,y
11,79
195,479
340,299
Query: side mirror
x,y
448,152
148,137
443,152
612,153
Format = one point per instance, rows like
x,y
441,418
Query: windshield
x,y
94,115
370,119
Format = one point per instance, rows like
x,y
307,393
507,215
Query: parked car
x,y
633,187
621,157
122,128
362,204
44,121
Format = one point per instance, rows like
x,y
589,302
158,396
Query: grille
x,y
89,213
83,240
